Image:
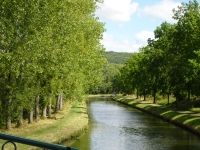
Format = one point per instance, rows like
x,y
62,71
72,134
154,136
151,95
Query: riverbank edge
x,y
75,132
186,121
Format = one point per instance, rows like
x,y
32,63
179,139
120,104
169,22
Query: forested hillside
x,y
116,60
50,52
117,57
109,79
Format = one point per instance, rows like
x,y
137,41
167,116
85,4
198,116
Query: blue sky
x,y
129,23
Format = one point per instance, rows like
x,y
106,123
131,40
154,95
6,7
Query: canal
x,y
114,126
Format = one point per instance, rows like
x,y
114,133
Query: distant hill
x,y
117,57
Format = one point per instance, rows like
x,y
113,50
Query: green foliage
x,y
117,57
110,74
170,62
109,79
195,110
47,48
165,102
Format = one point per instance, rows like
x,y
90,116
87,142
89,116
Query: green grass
x,y
74,121
165,102
182,106
99,95
185,120
195,110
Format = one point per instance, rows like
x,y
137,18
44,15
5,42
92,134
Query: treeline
x,y
170,63
109,79
110,72
117,57
49,52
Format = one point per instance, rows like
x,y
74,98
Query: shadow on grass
x,y
77,107
81,112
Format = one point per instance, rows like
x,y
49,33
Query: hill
x,y
117,57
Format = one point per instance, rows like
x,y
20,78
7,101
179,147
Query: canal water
x,y
114,126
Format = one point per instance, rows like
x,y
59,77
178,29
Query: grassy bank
x,y
72,121
99,95
185,120
182,106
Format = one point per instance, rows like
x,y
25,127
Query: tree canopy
x,y
117,57
47,48
170,62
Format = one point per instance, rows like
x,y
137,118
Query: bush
x,y
158,97
195,110
196,103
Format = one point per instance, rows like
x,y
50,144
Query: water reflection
x,y
114,126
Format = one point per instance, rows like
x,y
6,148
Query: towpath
x,y
155,105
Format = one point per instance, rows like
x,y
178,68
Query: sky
x,y
129,23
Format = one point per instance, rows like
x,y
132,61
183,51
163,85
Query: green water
x,y
114,126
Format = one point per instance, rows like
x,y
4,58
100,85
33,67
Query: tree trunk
x,y
168,97
37,108
57,104
9,100
177,102
30,118
154,99
44,110
8,124
20,121
61,102
177,99
144,96
137,93
49,108
189,99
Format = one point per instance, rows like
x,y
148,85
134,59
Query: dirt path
x,y
155,105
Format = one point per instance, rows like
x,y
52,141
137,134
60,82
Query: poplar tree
x,y
46,50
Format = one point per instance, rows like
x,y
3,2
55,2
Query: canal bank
x,y
71,122
187,121
115,126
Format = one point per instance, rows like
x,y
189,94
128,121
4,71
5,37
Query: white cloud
x,y
143,36
120,26
108,37
117,10
111,44
162,10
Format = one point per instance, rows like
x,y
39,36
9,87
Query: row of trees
x,y
110,72
49,51
169,63
109,79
